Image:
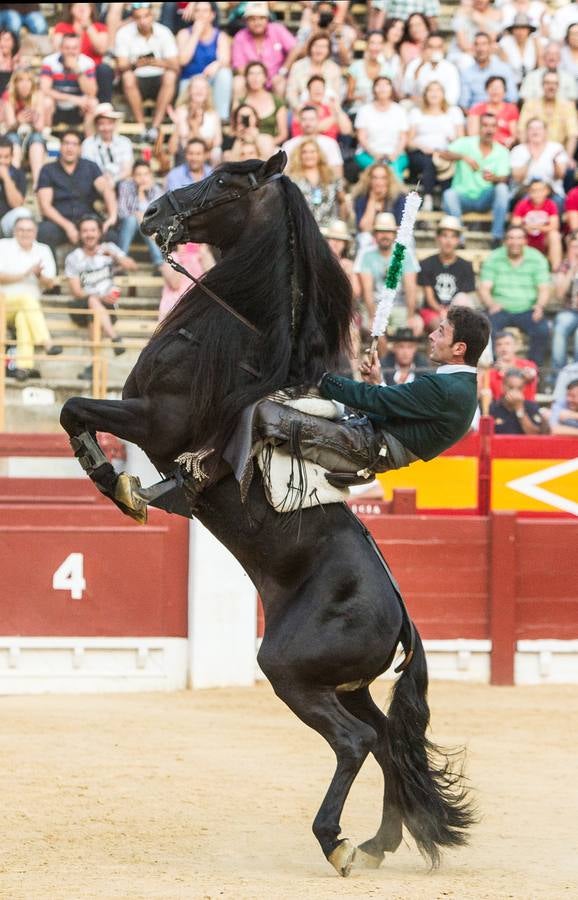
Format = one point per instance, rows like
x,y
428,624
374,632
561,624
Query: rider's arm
x,y
422,399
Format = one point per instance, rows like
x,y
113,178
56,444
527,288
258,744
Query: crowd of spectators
x,y
365,99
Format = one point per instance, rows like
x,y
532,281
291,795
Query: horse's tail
x,y
430,793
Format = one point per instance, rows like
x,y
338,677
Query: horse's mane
x,y
304,330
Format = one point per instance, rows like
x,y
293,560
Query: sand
x,y
211,795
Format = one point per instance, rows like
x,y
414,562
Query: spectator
x,y
22,114
332,19
561,21
9,57
316,62
333,121
373,267
271,110
147,60
176,16
571,210
263,40
416,32
569,55
519,48
134,196
12,189
194,117
513,414
566,290
444,274
68,79
432,66
393,32
245,130
339,239
193,169
404,362
432,127
539,158
480,182
90,273
309,122
23,14
507,359
405,9
196,259
515,288
111,152
535,10
205,50
378,190
381,128
564,415
471,19
363,72
314,177
506,113
26,269
79,19
474,77
537,214
558,115
532,85
67,190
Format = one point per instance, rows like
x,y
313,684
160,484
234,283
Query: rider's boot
x,y
354,449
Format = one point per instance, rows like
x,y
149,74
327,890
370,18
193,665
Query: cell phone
x,y
245,120
145,56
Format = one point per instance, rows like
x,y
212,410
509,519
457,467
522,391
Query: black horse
x,y
275,313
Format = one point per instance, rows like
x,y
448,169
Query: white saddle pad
x,y
290,484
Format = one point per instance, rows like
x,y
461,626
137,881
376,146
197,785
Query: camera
x,y
245,120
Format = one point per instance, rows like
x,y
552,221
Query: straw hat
x,y
521,20
403,335
337,230
449,223
106,111
257,8
385,222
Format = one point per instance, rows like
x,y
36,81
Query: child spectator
x,y
507,359
79,19
538,215
134,196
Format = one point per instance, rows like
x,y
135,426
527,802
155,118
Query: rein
x,y
180,215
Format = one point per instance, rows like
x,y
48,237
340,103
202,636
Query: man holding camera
x,y
147,59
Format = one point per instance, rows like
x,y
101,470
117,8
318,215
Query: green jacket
x,y
427,416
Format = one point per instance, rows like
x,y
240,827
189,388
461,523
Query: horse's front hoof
x,y
342,857
365,860
127,497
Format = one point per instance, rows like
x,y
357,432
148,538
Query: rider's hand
x,y
370,368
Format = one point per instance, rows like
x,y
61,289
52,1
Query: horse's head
x,y
205,211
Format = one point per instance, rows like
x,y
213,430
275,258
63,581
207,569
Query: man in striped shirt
x,y
68,79
515,288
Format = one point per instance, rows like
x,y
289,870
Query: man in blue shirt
x,y
485,65
194,168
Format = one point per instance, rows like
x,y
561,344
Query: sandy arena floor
x,y
211,795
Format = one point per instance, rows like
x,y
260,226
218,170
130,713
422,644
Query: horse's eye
x,y
220,182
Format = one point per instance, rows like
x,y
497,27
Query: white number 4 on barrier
x,y
69,576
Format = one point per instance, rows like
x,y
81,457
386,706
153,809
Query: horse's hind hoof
x,y
365,860
342,857
127,498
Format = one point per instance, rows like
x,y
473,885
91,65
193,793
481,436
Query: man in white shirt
x,y
111,152
532,85
432,66
26,269
147,59
309,120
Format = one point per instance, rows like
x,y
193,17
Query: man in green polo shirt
x,y
515,287
481,179
405,422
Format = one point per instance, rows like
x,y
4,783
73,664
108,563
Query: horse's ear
x,y
274,165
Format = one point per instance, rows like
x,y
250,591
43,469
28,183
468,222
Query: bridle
x,y
203,205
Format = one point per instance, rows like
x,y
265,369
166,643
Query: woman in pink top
x,y
197,259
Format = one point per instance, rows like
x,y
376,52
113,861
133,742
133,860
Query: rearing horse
x,y
275,312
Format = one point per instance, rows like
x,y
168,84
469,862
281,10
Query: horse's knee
x,y
69,418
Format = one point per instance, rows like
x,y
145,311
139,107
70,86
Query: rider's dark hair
x,y
471,327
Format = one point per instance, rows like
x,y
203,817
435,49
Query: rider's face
x,y
443,349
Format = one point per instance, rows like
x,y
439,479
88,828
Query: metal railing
x,y
95,347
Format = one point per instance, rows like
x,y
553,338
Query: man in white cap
x,y
444,274
264,41
372,268
111,152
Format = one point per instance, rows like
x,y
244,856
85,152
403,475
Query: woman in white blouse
x,y
432,127
519,48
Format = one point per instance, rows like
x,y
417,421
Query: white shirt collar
x,y
451,370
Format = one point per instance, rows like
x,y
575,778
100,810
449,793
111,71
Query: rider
x,y
405,422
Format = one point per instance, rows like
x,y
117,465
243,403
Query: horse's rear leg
x,y
389,834
125,419
351,740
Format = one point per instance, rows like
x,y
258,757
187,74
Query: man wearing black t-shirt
x,y
445,274
513,414
12,190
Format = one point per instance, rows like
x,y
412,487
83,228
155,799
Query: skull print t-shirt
x,y
447,281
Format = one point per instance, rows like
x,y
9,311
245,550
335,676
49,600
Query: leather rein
x,y
181,215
